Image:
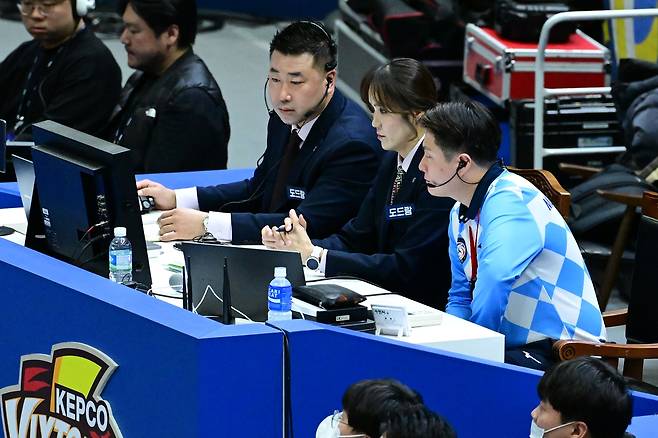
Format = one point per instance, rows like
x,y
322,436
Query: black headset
x,y
332,63
328,66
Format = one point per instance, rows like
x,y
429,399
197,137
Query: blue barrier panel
x,y
178,374
9,195
180,180
284,9
644,427
478,397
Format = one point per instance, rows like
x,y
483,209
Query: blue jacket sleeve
x,y
459,296
359,234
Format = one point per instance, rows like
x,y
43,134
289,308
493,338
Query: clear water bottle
x,y
121,257
279,296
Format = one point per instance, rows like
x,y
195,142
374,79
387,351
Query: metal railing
x,y
541,93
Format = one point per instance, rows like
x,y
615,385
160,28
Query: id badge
x,y
296,193
399,211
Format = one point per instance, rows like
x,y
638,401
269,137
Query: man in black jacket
x,y
321,154
64,73
171,113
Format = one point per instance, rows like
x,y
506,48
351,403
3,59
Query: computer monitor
x,y
8,148
3,146
84,187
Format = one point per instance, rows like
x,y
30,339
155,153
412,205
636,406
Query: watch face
x,y
312,263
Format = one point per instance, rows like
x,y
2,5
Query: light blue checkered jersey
x,y
532,282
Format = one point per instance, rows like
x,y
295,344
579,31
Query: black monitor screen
x,y
84,187
3,146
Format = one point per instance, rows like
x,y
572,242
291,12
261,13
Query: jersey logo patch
x,y
461,249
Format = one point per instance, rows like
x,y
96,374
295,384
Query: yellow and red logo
x,y
59,395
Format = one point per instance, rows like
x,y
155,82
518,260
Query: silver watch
x,y
205,224
313,261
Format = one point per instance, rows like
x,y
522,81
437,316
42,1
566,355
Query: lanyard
x,y
27,93
473,244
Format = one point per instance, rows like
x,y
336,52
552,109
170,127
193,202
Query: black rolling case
x,y
522,21
581,121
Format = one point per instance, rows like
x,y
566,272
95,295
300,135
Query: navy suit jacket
x,y
407,255
332,173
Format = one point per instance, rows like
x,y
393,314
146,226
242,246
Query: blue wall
x,y
179,374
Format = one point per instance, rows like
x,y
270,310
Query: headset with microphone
x,y
82,7
461,165
328,66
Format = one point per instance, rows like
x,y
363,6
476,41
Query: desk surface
x,y
453,334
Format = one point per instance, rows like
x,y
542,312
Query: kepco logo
x,y
59,395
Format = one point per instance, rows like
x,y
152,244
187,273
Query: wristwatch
x,y
206,218
313,261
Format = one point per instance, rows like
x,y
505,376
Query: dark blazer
x,y
333,172
407,255
175,122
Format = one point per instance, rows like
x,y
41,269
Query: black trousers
x,y
537,355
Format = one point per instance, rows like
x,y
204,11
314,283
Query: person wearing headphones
x,y
65,73
320,159
398,238
171,113
516,267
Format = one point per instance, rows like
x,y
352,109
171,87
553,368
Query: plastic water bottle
x,y
279,296
121,257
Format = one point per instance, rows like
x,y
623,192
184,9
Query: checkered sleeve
x,y
459,297
509,241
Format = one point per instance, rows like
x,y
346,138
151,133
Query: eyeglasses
x,y
337,419
44,8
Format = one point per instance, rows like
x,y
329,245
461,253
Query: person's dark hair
x,y
369,403
416,422
306,37
464,126
160,14
589,390
403,86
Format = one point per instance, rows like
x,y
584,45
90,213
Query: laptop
x,y
25,178
250,272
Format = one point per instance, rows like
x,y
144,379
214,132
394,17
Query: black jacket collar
x,y
467,213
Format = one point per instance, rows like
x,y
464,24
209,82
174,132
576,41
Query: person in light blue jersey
x,y
516,267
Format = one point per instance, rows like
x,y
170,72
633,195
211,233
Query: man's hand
x,y
294,238
165,199
181,224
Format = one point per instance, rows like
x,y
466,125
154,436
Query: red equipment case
x,y
504,70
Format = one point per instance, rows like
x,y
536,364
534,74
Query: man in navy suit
x,y
399,237
321,154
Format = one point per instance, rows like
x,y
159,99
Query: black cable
x,y
75,255
256,191
287,404
86,246
89,260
